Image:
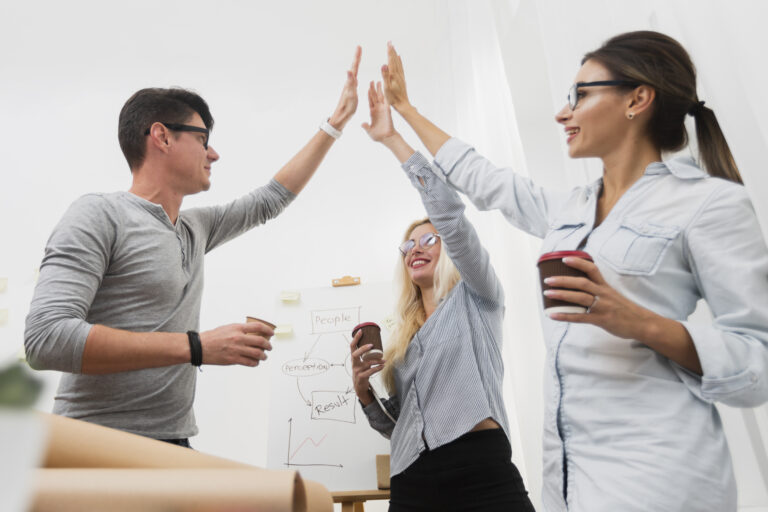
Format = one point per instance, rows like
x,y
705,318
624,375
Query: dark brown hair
x,y
657,60
152,105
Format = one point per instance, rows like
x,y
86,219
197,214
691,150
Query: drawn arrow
x,y
301,394
309,352
290,427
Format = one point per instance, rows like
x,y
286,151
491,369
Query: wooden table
x,y
352,501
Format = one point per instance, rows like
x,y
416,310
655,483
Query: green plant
x,y
18,387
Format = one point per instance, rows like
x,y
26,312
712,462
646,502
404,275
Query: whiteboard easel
x,y
316,424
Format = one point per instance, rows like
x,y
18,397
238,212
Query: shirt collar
x,y
155,209
683,167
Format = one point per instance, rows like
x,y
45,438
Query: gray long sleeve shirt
x,y
117,260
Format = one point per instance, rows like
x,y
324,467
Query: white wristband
x,y
330,130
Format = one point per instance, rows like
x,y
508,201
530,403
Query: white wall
x,y
270,72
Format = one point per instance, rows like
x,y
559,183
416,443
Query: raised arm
x,y
397,95
297,172
489,187
228,221
444,207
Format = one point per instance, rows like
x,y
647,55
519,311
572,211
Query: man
x,y
117,304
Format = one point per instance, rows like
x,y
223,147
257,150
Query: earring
x,y
630,116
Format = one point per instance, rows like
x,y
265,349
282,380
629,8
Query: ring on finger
x,y
591,306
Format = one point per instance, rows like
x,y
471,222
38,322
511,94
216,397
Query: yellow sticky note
x,y
283,330
3,317
3,284
289,296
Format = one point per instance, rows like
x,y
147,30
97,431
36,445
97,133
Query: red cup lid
x,y
557,255
365,324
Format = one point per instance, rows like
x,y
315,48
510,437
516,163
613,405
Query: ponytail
x,y
713,148
657,60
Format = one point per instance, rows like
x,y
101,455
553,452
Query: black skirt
x,y
473,473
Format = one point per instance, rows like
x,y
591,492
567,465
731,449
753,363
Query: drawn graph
x,y
292,452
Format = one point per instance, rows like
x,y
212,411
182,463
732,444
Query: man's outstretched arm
x,y
297,172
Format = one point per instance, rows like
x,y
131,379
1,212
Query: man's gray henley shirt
x,y
117,260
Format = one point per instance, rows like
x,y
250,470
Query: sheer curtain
x,y
511,64
485,117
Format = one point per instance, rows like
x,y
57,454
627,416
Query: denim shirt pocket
x,y
561,236
637,248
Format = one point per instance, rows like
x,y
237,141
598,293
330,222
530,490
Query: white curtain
x,y
511,64
485,117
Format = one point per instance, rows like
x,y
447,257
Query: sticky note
x,y
3,317
3,284
289,296
283,330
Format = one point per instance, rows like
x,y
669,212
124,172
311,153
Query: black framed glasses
x,y
426,241
573,92
176,127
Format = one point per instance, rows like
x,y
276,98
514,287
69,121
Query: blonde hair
x,y
410,311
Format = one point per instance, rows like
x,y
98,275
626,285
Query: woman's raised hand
x,y
380,127
348,101
394,80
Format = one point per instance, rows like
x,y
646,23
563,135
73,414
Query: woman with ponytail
x,y
445,415
630,422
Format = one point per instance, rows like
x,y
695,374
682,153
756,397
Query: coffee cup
x,y
251,319
371,336
551,264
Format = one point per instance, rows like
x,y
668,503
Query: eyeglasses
x,y
185,128
425,241
573,92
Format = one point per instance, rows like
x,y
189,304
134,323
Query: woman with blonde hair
x,y
445,415
630,422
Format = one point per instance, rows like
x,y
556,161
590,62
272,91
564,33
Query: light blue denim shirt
x,y
451,376
625,428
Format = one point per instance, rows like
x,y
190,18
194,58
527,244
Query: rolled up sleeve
x,y
728,255
76,258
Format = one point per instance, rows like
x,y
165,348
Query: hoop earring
x,y
630,115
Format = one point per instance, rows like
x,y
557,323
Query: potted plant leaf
x,y
22,435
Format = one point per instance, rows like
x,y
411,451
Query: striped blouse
x,y
451,376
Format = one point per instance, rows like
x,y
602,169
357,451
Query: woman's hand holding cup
x,y
363,369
